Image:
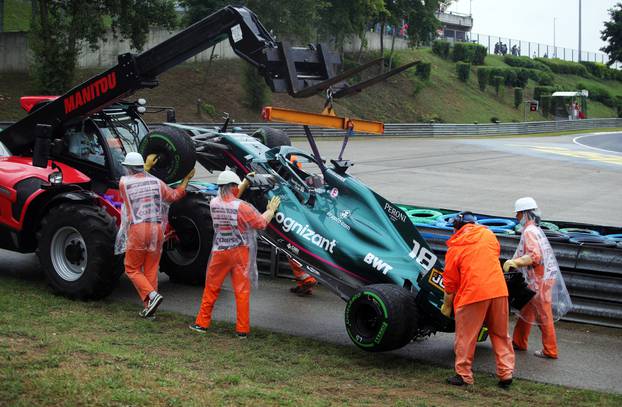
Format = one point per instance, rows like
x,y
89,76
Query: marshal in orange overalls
x,y
473,273
232,219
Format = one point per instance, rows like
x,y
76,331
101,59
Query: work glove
x,y
446,310
509,264
273,204
151,160
190,174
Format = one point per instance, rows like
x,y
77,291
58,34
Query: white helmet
x,y
228,177
525,204
134,160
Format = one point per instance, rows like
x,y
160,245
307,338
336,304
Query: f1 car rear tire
x,y
176,152
272,137
184,258
381,317
76,251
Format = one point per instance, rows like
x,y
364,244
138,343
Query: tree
x,y
60,28
612,34
342,18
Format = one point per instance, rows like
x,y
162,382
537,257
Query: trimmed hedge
x,y
599,94
540,91
546,79
468,52
515,77
441,48
496,82
423,70
518,97
525,62
464,71
564,67
483,76
596,69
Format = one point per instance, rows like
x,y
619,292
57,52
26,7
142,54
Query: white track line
x,y
575,140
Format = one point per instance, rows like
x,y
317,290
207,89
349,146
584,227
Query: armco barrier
x,y
444,129
437,129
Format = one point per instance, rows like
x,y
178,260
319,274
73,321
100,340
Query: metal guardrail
x,y
436,129
444,129
593,275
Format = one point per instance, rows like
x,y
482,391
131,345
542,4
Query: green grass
x,y
403,98
55,351
17,15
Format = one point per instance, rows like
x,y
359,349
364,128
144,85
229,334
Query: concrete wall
x,y
14,52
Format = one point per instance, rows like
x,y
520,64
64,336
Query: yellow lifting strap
x,y
277,114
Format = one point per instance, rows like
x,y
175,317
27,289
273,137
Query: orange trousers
x,y
234,261
141,264
300,275
469,320
522,329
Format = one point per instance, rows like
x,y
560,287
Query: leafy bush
x,y
518,97
483,75
423,70
441,48
497,81
495,119
522,77
546,79
468,52
564,67
596,69
464,71
540,91
510,77
479,58
545,105
525,62
255,89
598,94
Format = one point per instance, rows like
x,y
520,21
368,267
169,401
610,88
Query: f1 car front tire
x,y
185,257
381,317
76,251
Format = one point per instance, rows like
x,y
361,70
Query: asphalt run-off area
x,y
570,179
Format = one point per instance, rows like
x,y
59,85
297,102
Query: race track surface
x,y
571,182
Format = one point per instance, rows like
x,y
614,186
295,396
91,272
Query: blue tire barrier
x,y
543,225
556,236
423,215
593,240
438,226
574,231
499,225
617,237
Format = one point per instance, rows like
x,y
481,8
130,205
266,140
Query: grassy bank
x,y
59,352
201,92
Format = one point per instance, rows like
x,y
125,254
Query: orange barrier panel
x,y
276,114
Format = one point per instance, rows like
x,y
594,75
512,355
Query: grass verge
x,y
54,351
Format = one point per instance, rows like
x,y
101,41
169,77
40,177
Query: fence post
x,y
529,49
538,50
564,53
489,49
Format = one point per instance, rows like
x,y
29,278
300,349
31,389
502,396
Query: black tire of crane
x,y
176,152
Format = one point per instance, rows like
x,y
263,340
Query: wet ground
x,y
571,182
